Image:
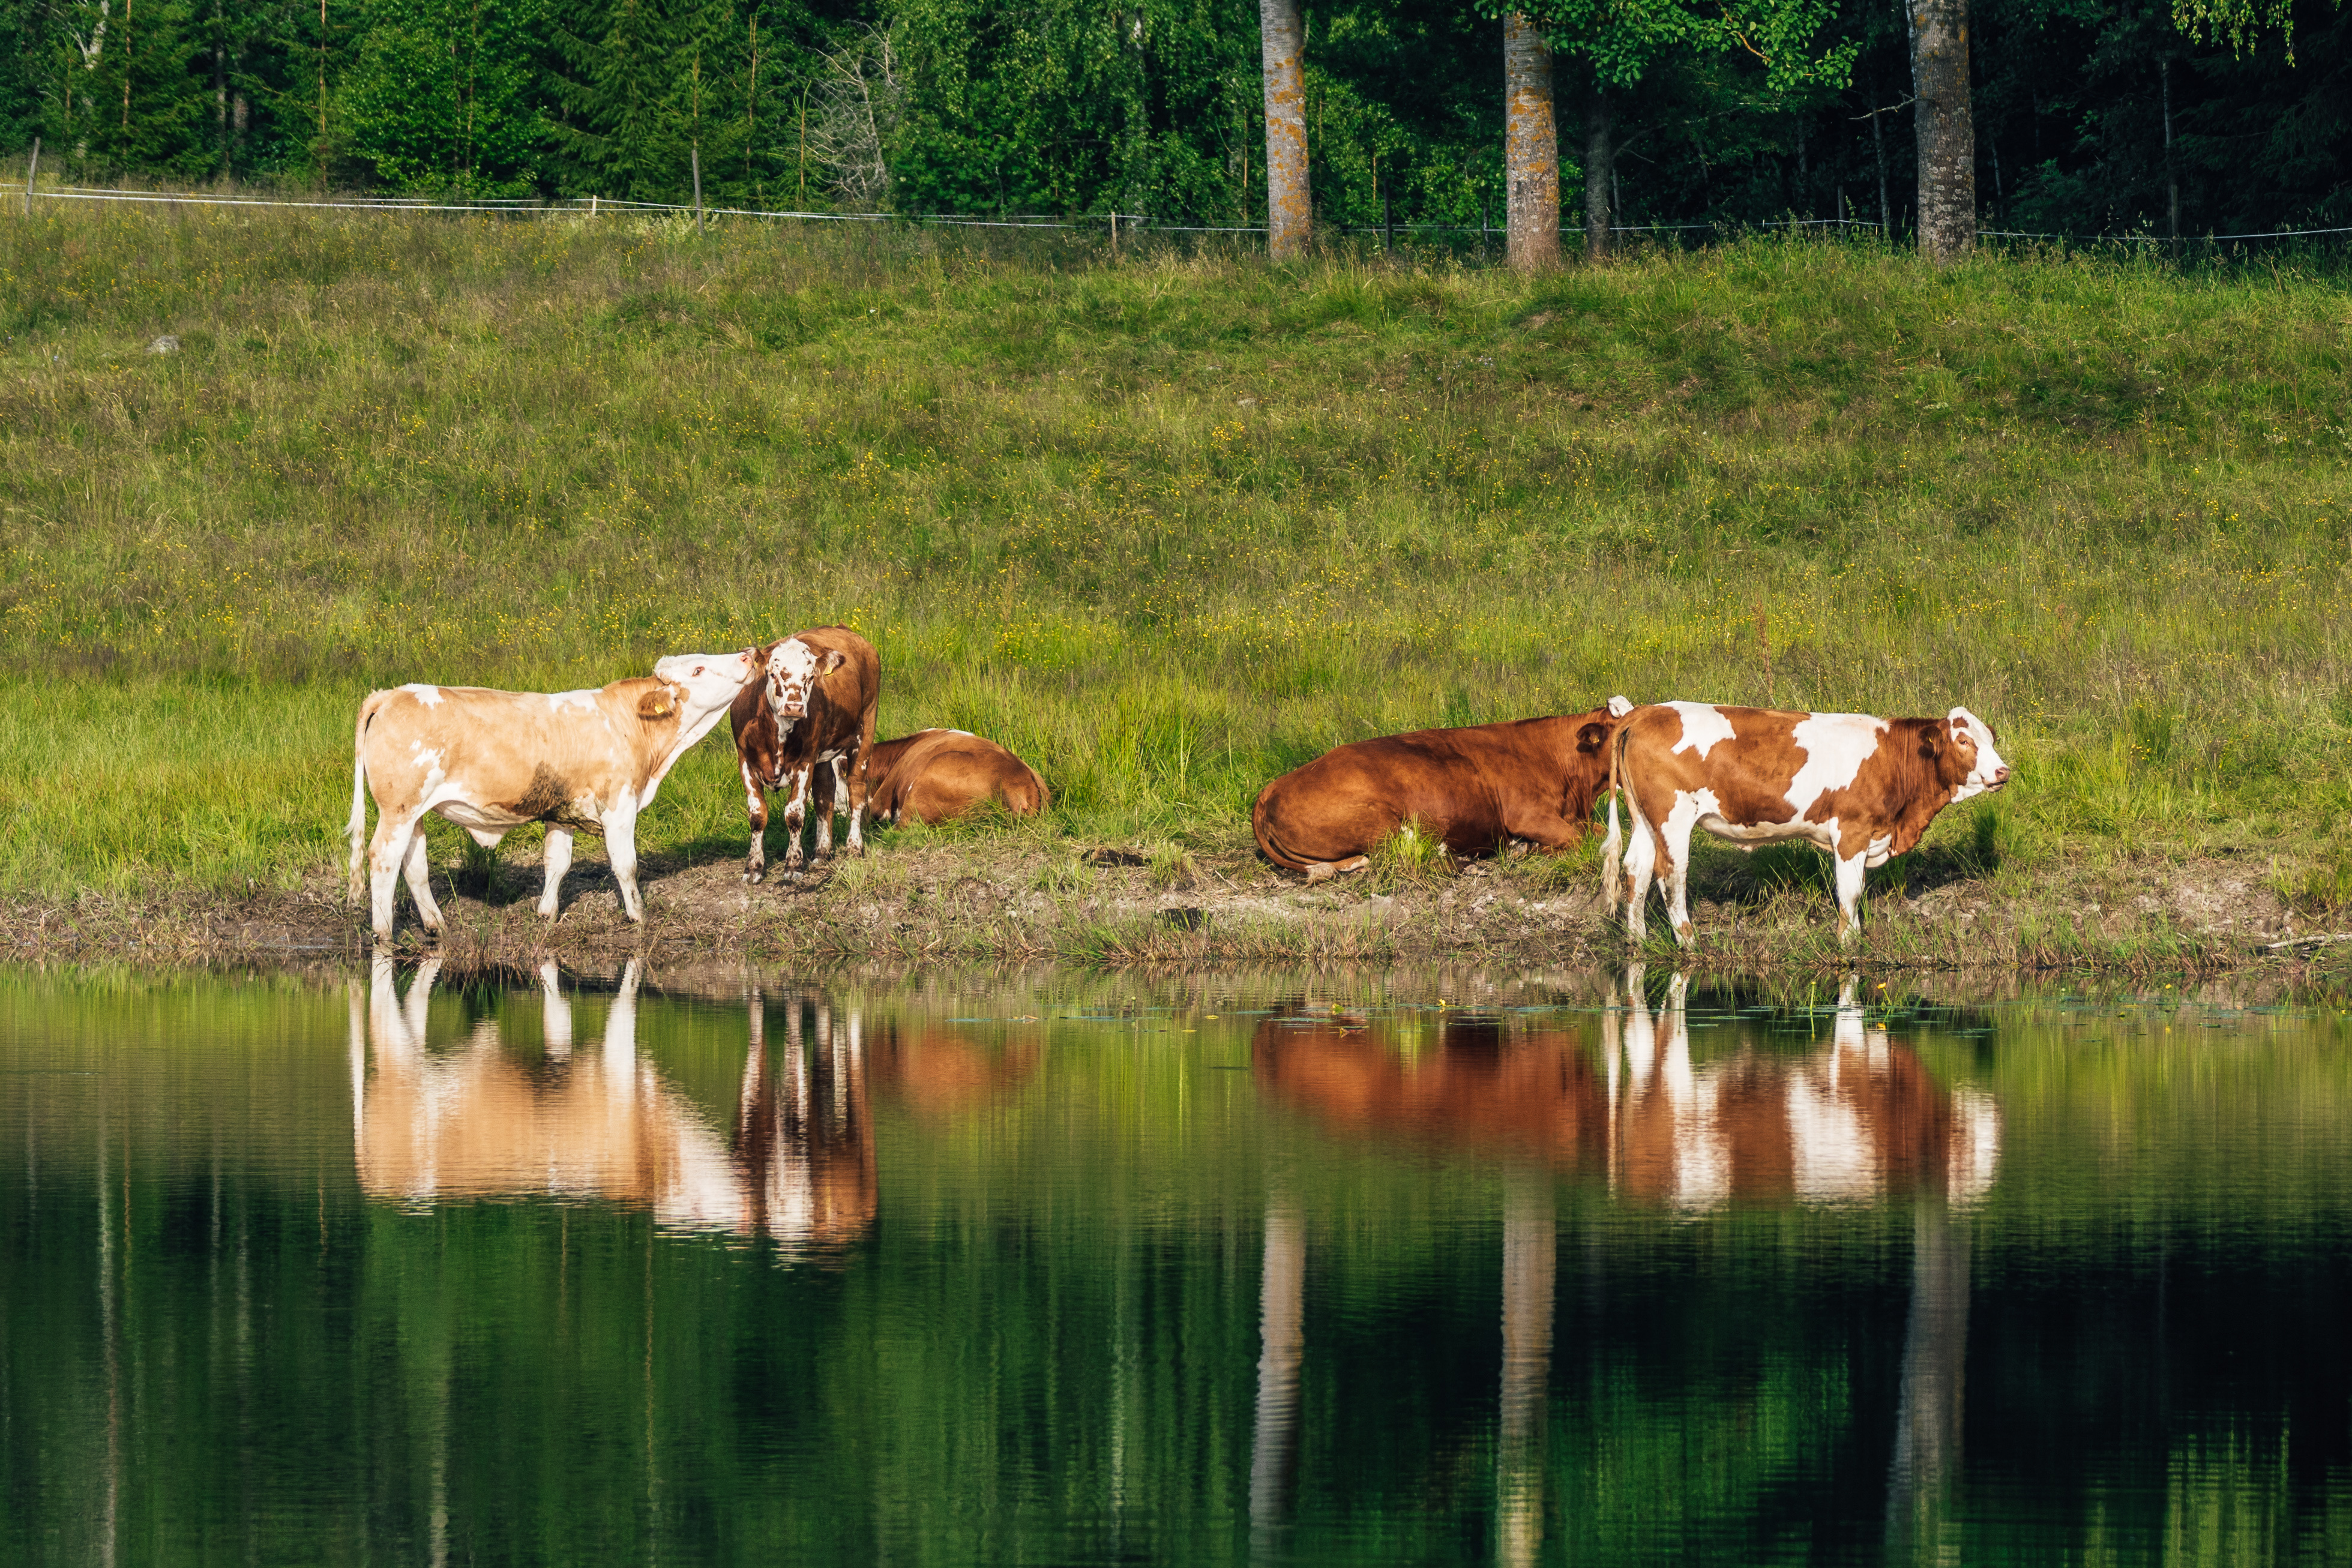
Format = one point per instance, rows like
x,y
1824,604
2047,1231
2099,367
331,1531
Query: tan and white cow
x,y
1862,788
585,761
478,1117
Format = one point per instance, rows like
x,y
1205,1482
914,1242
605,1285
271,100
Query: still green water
x,y
396,1269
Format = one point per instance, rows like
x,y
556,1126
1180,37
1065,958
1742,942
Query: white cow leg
x,y
621,847
1677,872
558,861
795,813
1678,897
387,851
1641,862
755,806
418,871
1851,873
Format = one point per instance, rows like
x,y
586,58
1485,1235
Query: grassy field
x,y
1167,525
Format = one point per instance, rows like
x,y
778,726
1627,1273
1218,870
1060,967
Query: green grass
x,y
1166,527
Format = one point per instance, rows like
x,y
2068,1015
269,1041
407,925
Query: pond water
x,y
406,1267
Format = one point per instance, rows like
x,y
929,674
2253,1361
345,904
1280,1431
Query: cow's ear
x,y
1931,742
834,659
657,702
1592,737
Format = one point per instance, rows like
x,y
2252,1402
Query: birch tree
x,y
1289,210
1614,44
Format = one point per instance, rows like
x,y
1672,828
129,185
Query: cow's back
x,y
939,774
530,754
1462,785
843,700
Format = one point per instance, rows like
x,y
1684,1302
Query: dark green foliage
x,y
440,97
1156,108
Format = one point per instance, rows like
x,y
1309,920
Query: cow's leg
x,y
755,806
621,851
827,806
418,871
851,774
1678,896
385,852
1641,863
558,863
1674,852
795,813
1851,871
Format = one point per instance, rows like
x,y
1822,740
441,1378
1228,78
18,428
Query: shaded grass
x,y
1166,527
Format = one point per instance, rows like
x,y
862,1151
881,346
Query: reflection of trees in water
x,y
796,1168
1855,1119
1927,1424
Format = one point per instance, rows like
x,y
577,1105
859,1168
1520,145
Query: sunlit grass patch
x,y
1166,528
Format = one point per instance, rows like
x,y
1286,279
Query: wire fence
x,y
1114,224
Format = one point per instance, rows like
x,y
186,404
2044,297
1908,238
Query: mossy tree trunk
x,y
1946,127
1289,209
1530,146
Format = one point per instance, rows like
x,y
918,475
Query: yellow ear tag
x,y
656,703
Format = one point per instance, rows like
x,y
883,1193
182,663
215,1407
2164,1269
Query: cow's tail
x,y
1613,849
356,829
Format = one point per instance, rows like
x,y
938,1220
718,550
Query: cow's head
x,y
793,671
699,683
1968,759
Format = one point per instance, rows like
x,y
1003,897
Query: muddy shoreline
x,y
974,900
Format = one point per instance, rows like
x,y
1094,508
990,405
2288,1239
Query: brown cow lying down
x,y
1862,789
1532,779
490,761
934,775
814,709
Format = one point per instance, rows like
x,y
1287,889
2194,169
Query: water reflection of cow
x,y
1856,1118
795,1167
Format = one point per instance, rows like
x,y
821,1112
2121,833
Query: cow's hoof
x,y
754,878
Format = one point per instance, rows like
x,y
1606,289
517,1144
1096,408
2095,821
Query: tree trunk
x,y
1530,147
1288,210
1600,171
1878,147
1947,133
2171,169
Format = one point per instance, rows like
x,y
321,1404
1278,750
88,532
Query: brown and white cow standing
x,y
1862,789
934,775
585,761
1474,788
813,707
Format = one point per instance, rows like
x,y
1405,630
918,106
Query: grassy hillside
x,y
1167,525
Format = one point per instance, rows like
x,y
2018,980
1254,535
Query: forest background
x,y
2091,116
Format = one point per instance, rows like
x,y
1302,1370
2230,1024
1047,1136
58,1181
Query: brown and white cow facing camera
x,y
812,707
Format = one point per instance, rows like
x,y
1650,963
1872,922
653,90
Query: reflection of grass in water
x,y
2101,504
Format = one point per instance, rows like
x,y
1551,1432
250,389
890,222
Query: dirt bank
x,y
977,898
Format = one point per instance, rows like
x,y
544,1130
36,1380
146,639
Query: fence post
x,y
1388,220
32,168
592,207
697,150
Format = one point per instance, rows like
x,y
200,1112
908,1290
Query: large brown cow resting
x,y
814,708
489,762
934,775
1474,788
1862,789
